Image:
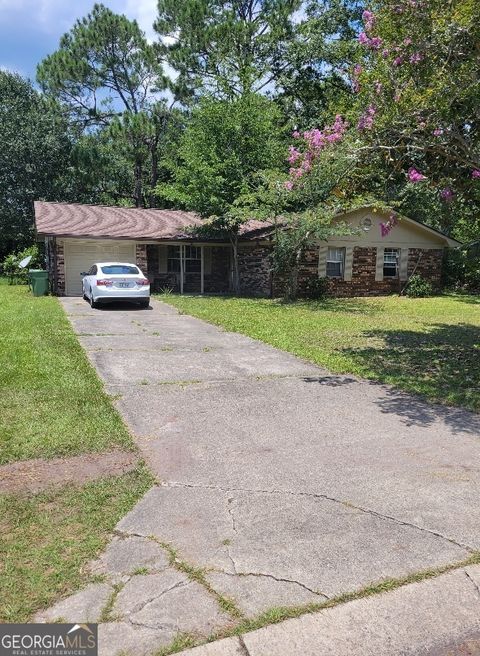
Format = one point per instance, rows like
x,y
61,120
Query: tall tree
x,y
225,146
34,153
105,71
314,84
227,47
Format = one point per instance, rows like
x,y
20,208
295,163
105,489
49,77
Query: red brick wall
x,y
255,270
58,280
363,281
428,264
141,257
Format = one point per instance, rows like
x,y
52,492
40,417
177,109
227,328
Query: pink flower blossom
x,y
416,58
366,120
476,174
296,134
294,154
414,175
385,53
368,18
363,39
375,43
357,70
398,61
446,194
437,132
407,41
378,87
288,184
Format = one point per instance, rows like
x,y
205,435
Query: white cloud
x,y
145,12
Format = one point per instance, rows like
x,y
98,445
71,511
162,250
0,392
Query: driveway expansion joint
x,y
243,646
474,583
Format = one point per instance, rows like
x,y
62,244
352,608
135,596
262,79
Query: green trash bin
x,y
38,279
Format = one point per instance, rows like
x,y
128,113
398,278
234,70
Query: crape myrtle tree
x,y
412,139
35,149
418,88
225,145
106,72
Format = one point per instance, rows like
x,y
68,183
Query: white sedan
x,y
115,281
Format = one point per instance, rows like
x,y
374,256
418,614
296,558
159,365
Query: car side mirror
x,y
84,273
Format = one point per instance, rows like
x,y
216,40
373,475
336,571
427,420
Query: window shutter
x,y
322,261
379,264
348,263
403,264
207,260
162,259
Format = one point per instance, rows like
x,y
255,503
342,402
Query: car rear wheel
x,y
145,303
93,303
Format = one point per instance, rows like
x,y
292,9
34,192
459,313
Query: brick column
x,y
141,257
59,288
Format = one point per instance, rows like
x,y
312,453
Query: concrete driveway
x,y
284,483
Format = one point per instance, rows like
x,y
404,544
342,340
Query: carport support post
x,y
202,248
182,257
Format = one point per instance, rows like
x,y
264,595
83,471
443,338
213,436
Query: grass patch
x,y
280,614
51,400
47,539
197,574
429,346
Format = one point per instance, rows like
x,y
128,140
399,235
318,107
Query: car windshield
x,y
120,270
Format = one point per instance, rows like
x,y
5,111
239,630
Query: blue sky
x,y
31,29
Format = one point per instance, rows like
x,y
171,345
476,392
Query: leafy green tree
x,y
228,48
313,86
224,147
106,72
35,147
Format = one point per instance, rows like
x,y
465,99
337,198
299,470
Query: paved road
x,y
286,483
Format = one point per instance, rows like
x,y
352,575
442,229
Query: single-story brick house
x,y
375,258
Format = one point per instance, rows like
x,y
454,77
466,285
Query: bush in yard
x,y
461,270
472,274
418,287
17,275
317,288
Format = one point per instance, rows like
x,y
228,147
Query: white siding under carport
x,y
80,254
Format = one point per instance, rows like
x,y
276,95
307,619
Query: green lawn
x,y
47,539
51,401
430,346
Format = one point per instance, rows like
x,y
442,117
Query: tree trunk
x,y
153,175
236,273
293,286
137,194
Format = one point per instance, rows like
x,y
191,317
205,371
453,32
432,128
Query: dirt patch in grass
x,y
49,538
31,476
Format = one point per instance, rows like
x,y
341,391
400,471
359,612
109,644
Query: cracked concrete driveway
x,y
286,484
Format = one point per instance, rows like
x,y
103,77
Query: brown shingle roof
x,y
75,220
101,221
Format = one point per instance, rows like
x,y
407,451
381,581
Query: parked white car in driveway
x,y
115,281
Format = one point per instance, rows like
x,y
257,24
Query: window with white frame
x,y
335,262
390,263
192,258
